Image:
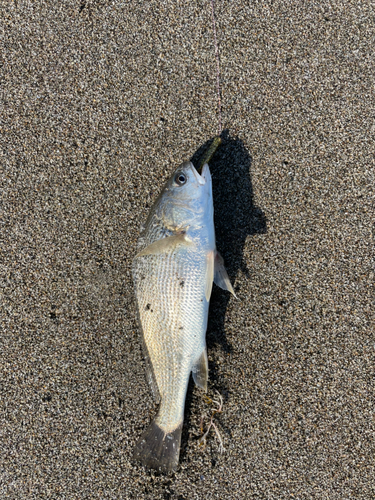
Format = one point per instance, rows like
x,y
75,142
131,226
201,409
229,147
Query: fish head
x,y
187,196
187,184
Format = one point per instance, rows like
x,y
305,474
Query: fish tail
x,y
157,449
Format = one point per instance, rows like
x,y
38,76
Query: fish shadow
x,y
236,218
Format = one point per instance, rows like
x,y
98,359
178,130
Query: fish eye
x,y
180,178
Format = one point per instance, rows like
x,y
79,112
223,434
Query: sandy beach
x,y
100,102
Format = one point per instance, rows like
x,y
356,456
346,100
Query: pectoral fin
x,y
164,245
221,277
200,371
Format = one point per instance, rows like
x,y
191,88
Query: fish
x,y
173,271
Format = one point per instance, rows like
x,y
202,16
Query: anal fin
x,y
200,371
209,274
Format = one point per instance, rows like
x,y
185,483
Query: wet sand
x,y
100,102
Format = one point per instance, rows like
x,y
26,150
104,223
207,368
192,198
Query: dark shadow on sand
x,y
236,217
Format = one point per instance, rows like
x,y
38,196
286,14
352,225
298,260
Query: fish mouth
x,y
206,174
201,178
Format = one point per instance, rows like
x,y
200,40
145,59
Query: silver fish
x,y
173,272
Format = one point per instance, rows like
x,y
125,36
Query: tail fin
x,y
158,450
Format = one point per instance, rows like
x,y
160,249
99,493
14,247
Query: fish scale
x,y
176,332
